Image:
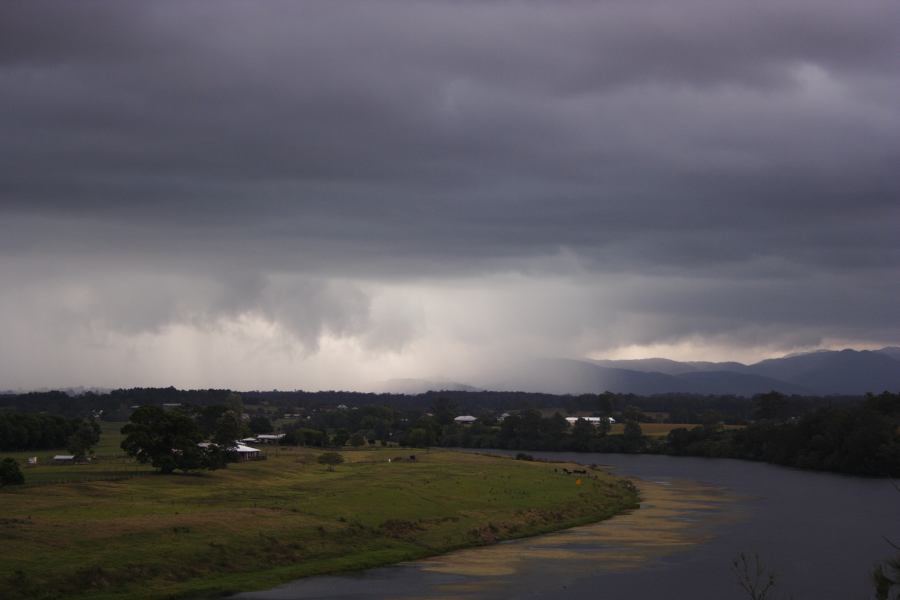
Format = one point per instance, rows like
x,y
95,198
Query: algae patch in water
x,y
673,517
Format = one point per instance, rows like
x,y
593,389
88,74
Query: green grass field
x,y
110,464
255,525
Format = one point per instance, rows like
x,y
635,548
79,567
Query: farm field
x,y
111,462
257,524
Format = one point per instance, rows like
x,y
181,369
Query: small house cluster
x,y
595,421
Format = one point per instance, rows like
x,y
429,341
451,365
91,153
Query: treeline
x,y
529,430
117,405
861,440
22,431
114,405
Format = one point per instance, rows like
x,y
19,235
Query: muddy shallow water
x,y
820,533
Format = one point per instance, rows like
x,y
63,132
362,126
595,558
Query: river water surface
x,y
819,533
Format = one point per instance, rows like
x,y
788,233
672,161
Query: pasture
x,y
117,530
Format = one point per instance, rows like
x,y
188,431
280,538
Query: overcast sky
x,y
327,194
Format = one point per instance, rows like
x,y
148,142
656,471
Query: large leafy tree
x,y
82,442
229,428
10,474
168,440
582,435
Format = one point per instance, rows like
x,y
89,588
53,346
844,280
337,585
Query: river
x,y
819,533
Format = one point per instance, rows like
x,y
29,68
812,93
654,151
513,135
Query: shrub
x,y
10,474
330,459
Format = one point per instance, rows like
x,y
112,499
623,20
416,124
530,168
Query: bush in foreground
x,y
10,474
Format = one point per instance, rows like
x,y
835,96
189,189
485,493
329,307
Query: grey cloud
x,y
198,162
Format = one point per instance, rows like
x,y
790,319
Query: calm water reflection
x,y
822,533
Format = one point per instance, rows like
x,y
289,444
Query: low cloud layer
x,y
326,194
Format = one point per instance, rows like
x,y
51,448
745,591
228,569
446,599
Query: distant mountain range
x,y
823,372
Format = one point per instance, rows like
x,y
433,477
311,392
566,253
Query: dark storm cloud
x,y
740,158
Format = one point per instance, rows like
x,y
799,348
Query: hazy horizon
x,y
322,195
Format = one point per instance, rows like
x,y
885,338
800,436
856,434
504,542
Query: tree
x,y
582,433
235,403
260,424
340,437
772,405
357,440
605,403
229,429
331,459
82,442
603,427
10,474
419,437
444,410
633,436
168,440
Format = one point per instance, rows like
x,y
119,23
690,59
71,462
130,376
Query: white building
x,y
246,452
465,420
592,420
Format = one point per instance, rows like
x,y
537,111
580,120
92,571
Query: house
x,y
269,438
64,459
245,453
592,420
242,451
464,420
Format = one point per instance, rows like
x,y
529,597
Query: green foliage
x,y
168,440
419,437
357,440
340,438
82,442
229,428
861,440
444,410
22,431
633,437
302,436
582,436
770,406
260,424
330,458
10,473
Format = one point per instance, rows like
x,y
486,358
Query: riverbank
x,y
256,525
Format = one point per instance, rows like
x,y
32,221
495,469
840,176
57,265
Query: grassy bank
x,y
255,525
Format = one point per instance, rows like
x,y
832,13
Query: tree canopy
x,y
10,474
168,440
